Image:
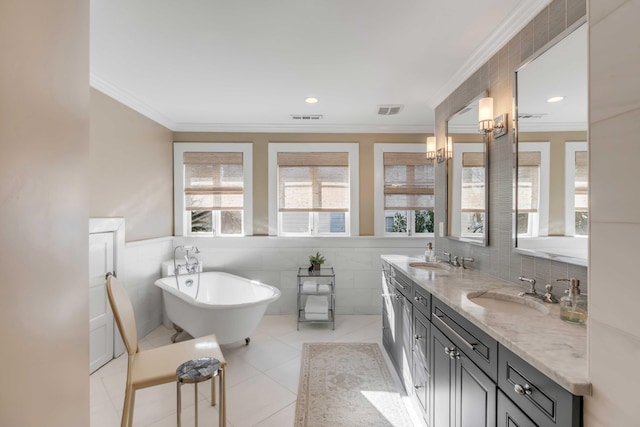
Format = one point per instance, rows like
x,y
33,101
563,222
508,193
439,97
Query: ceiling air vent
x,y
306,116
389,110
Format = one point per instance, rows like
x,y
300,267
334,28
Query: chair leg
x,y
127,407
132,400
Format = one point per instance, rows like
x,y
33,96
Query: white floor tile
x,y
262,377
255,400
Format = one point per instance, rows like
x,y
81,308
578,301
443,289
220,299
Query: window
x,y
404,190
577,189
532,193
468,190
312,189
212,186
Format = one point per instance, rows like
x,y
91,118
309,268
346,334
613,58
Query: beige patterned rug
x,y
347,384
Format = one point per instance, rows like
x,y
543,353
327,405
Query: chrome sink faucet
x,y
448,257
532,288
463,260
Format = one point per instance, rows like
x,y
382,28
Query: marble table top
x,y
196,370
556,348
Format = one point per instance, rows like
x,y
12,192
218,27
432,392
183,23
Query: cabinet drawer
x,y
544,401
468,338
402,283
422,300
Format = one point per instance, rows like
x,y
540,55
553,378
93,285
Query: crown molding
x,y
520,16
130,101
300,128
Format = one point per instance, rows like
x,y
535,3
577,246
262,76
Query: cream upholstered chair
x,y
157,366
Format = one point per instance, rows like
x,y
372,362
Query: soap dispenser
x,y
573,306
428,254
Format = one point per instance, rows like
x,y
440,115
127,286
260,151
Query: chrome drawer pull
x,y
417,387
417,337
418,298
470,345
522,390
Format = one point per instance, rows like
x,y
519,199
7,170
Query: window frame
x,y
182,221
379,217
571,147
351,148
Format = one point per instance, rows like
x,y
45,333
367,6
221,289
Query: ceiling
x,y
247,66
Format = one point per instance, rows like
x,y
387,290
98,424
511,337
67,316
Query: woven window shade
x,y
408,182
582,181
313,182
213,181
528,181
473,188
472,159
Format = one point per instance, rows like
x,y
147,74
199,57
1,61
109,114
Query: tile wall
x,y
496,76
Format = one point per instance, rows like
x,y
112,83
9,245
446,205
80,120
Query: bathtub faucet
x,y
191,262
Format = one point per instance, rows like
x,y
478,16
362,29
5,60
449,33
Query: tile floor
x,y
262,378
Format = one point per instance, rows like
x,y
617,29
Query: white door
x,y
100,315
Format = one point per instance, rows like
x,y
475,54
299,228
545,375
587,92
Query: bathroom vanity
x,y
470,351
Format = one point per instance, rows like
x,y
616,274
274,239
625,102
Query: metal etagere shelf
x,y
317,283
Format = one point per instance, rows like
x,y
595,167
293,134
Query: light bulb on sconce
x,y
431,148
487,123
485,115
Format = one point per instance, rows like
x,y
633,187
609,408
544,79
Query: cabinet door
x,y
422,388
442,380
405,341
475,395
509,415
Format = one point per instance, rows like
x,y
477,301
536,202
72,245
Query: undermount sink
x,y
430,265
507,303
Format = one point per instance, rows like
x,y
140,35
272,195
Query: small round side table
x,y
193,372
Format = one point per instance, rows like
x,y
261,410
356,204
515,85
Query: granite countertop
x,y
556,348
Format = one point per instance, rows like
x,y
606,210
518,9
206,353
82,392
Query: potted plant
x,y
316,261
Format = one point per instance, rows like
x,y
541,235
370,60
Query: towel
x,y
324,288
316,316
317,305
309,287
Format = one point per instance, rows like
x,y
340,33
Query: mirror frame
x,y
533,57
448,168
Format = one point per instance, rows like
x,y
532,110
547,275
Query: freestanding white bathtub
x,y
229,306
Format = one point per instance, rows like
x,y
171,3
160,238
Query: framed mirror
x,y
468,177
551,198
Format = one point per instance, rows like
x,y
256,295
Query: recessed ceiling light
x,y
555,99
311,100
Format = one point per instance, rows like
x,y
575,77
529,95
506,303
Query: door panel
x,y
100,315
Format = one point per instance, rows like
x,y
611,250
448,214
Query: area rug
x,y
347,384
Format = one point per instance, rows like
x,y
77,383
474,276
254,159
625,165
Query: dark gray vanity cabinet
x,y
463,395
545,402
509,415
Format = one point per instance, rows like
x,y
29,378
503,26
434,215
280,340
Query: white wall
x,y
44,213
275,261
141,268
614,293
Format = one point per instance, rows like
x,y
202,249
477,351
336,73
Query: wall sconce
x,y
485,115
486,121
445,153
431,148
